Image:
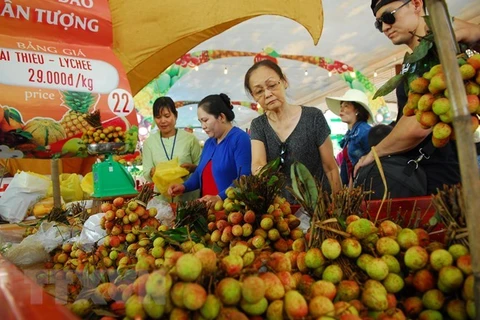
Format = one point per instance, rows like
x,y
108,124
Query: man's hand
x,y
364,161
152,172
467,32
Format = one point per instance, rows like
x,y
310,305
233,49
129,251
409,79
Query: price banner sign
x,y
61,86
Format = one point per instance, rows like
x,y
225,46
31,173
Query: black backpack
x,y
401,183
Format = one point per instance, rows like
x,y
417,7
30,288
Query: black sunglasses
x,y
388,17
283,153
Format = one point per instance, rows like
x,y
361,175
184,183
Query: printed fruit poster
x,y
61,86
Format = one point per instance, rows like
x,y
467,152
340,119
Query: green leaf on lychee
x,y
304,186
420,51
272,180
191,214
389,86
295,188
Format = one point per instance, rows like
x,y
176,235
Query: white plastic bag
x,y
26,253
164,211
24,190
91,232
35,248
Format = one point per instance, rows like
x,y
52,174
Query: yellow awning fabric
x,y
149,35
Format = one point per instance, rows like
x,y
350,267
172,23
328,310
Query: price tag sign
x,y
43,70
120,102
58,75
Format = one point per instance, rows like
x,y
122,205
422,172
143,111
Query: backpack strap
x,y
425,153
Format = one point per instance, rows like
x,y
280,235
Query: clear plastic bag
x,y
304,219
91,232
36,247
164,211
26,253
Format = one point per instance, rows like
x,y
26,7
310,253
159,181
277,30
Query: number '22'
x,y
121,99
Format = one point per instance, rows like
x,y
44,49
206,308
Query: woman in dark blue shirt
x,y
353,109
226,154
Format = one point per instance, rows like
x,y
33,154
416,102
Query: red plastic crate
x,y
421,207
405,207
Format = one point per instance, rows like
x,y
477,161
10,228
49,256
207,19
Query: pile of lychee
x,y
408,276
268,271
277,228
123,221
426,279
428,99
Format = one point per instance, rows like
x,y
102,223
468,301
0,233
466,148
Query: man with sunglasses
x,y
403,23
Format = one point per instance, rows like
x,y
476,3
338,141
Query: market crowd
x,y
299,133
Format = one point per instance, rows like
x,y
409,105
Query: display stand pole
x,y
57,202
462,123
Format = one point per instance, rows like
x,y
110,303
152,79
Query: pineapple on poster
x,y
62,87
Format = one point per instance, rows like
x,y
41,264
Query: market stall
x,y
253,255
64,98
66,95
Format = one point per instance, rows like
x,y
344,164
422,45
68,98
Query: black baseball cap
x,y
377,4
